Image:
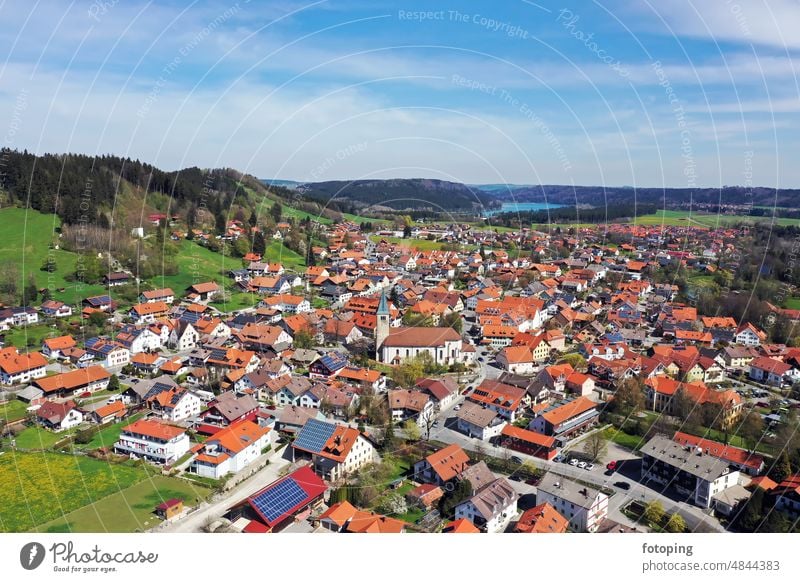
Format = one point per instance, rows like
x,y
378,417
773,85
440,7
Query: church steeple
x,y
382,324
383,306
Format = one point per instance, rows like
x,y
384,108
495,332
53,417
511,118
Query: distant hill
x,y
662,197
291,184
415,194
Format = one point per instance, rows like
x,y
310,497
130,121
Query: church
x,y
394,345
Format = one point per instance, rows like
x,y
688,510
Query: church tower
x,y
382,325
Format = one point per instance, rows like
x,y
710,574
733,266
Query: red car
x,y
611,465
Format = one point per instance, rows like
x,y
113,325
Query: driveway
x,y
218,505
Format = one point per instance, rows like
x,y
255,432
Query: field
x,y
682,218
38,487
415,243
237,301
13,410
278,253
129,510
197,264
107,436
29,336
36,438
26,237
686,218
792,303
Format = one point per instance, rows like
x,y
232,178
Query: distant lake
x,y
520,207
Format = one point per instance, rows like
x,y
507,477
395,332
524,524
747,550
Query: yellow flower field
x,y
39,487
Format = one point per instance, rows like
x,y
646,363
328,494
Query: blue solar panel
x,y
190,316
279,500
313,436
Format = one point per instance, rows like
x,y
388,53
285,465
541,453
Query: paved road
x,y
696,519
194,522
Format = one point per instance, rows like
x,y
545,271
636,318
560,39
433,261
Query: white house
x,y
231,449
336,450
582,505
153,441
183,336
688,470
176,404
58,416
17,368
478,422
491,508
749,335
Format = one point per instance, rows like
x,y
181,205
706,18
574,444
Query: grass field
x,y
128,510
686,218
13,410
416,243
26,237
38,487
624,439
359,219
682,218
197,264
792,303
31,335
278,253
36,438
236,301
107,436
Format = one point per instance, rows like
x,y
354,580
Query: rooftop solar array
x,y
157,388
190,316
314,435
279,500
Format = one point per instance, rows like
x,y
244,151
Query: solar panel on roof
x,y
190,316
279,500
313,436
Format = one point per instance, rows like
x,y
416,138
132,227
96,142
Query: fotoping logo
x,y
31,555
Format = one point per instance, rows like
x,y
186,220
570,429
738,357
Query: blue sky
x,y
646,93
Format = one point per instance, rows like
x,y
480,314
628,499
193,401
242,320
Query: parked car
x,y
573,462
622,485
611,465
457,407
516,460
589,466
582,465
558,458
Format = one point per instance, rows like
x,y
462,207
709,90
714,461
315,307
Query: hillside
x,y
401,194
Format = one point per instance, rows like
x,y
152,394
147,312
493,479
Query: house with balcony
x,y
153,441
583,506
231,450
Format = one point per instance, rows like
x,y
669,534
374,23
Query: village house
x,y
491,508
583,506
153,441
231,449
58,416
335,450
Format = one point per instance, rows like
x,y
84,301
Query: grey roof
x,y
732,495
563,488
30,393
479,475
685,458
494,498
476,414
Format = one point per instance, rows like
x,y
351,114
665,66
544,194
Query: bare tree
x,y
595,445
